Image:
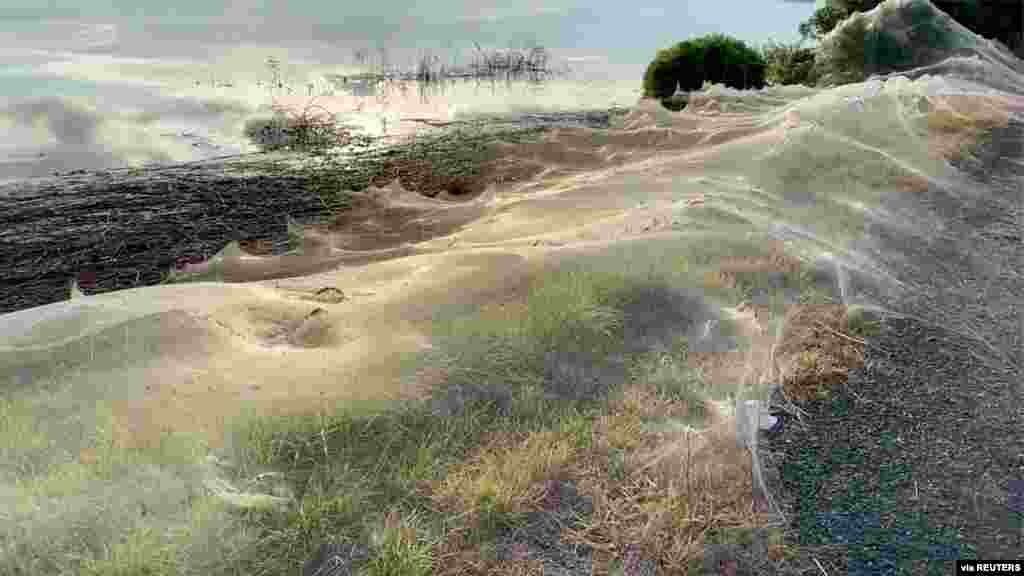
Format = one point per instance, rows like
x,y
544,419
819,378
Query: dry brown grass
x,y
744,367
777,260
976,111
507,469
664,491
677,485
670,489
959,121
814,354
730,269
717,280
659,491
944,120
912,183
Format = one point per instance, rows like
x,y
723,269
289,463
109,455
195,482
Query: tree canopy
x,y
713,58
826,18
850,56
1002,20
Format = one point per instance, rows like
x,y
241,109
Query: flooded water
x,y
94,112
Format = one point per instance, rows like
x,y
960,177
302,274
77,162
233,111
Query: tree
x,y
713,58
842,57
826,18
999,19
789,64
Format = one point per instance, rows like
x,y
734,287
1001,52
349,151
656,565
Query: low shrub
x,y
676,102
311,129
789,64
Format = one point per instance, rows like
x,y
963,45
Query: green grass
x,y
350,466
548,368
84,503
672,378
399,553
357,462
497,362
862,322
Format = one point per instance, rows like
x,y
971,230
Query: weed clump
x,y
816,353
312,129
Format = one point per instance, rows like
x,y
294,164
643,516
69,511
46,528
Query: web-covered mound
x,y
900,35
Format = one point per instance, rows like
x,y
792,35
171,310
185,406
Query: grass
x,y
461,162
584,380
456,484
814,354
953,131
87,501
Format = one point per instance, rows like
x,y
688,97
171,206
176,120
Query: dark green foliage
x,y
999,19
849,57
841,58
676,102
714,58
854,52
822,21
887,52
826,18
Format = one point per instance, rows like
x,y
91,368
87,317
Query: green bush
x,y
789,64
714,58
675,102
841,57
305,130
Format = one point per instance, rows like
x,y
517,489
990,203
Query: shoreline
x,y
128,227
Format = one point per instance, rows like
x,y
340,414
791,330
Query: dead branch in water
x,y
533,64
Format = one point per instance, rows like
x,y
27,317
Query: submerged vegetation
x,y
533,63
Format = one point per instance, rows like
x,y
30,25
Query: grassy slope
x,y
575,398
542,409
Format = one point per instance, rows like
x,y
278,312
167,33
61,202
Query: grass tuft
x,y
401,548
